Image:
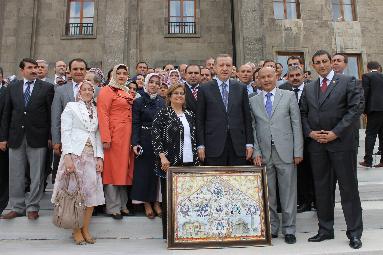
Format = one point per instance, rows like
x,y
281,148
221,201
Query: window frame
x,y
196,19
67,17
287,54
297,9
359,63
341,5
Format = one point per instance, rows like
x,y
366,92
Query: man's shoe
x,y
11,215
355,243
34,215
379,152
304,208
321,237
365,164
116,216
274,236
290,239
379,165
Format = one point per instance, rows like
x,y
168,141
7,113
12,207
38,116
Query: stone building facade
x,y
128,31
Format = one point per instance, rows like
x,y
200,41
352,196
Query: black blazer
x,y
168,135
214,123
34,120
3,92
335,111
373,91
191,102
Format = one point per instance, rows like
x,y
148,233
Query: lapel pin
x,y
333,81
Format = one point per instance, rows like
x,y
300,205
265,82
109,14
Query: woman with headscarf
x,y
83,155
145,183
114,106
174,77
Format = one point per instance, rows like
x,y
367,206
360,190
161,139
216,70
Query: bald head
x,y
245,73
267,78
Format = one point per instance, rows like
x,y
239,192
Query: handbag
x,y
69,207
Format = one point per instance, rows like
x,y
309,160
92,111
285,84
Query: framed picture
x,y
217,207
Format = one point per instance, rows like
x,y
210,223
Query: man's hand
x,y
201,154
316,135
57,148
297,160
257,161
50,144
329,136
249,153
3,146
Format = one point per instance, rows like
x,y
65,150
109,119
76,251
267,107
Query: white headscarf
x,y
147,79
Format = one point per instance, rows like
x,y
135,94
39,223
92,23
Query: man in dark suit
x,y
192,80
4,171
224,132
329,107
373,93
27,118
295,83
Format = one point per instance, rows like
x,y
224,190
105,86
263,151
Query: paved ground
x,y
139,235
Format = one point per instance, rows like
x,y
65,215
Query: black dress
x,y
145,181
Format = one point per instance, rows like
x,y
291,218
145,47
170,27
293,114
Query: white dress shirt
x,y
329,78
227,82
30,86
300,90
271,98
187,152
75,89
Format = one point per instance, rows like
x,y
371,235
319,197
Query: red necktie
x,y
194,92
324,85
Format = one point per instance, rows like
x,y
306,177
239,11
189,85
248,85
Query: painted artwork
x,y
218,206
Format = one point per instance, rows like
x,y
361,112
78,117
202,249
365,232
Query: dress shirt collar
x,y
272,92
329,78
220,82
300,87
25,81
190,86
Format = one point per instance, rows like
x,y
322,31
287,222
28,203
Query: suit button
x,y
22,126
25,113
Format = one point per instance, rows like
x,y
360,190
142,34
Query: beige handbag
x,y
69,207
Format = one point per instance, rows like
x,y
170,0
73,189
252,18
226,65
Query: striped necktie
x,y
27,92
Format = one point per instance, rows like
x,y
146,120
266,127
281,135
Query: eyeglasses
x,y
178,93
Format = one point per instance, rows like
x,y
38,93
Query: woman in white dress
x,y
82,154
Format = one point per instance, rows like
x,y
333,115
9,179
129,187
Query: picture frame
x,y
211,206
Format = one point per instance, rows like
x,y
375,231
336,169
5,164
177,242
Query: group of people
x,y
120,136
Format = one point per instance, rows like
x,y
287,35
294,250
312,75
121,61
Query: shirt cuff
x,y
201,147
249,146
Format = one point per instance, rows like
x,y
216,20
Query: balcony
x,y
79,29
182,28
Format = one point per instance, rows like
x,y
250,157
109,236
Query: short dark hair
x,y
222,56
345,57
308,72
295,57
373,65
320,53
77,60
27,60
142,62
186,70
268,60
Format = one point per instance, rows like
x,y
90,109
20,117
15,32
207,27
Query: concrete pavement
x,y
139,235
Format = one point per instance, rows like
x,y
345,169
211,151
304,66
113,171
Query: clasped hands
x,y
201,153
257,161
70,168
323,136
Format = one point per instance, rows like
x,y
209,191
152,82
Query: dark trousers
x,y
305,181
339,165
164,207
374,127
228,156
4,180
55,166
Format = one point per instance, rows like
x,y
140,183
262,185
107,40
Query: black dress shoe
x,y
290,239
304,208
274,236
116,216
355,243
321,237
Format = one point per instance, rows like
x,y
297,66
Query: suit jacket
x,y
373,91
32,121
77,128
335,111
3,97
191,102
63,95
284,127
214,122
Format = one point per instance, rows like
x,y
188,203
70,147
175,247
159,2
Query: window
x,y
354,66
283,56
182,17
343,10
286,9
80,18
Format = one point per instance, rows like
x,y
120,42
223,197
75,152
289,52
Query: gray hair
x,y
42,61
295,68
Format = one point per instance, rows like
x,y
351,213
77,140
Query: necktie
x,y
324,85
27,93
194,92
269,104
224,94
75,90
296,91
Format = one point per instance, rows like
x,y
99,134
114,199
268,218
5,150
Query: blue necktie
x,y
269,104
224,94
27,93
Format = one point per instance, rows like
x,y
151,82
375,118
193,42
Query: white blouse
x,y
187,148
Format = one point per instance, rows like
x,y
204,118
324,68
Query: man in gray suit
x,y
278,143
42,72
330,105
64,94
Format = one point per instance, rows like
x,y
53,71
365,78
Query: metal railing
x,y
74,29
181,27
